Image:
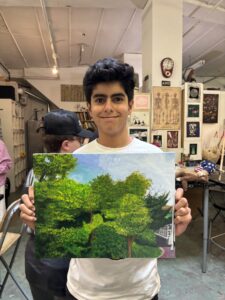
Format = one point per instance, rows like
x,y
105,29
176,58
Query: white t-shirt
x,y
106,279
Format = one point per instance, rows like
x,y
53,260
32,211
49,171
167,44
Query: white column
x,y
162,27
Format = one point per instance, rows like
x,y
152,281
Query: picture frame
x,y
140,133
138,119
141,101
194,94
193,129
172,139
166,108
193,149
157,140
210,108
193,111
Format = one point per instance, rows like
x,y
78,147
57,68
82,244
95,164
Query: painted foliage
x,y
107,206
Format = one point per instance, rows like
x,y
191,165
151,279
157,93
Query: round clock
x,y
167,65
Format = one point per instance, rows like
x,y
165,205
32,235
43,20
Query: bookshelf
x,y
86,120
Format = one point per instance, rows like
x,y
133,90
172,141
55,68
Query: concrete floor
x,y
181,278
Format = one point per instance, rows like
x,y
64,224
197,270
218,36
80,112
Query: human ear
x,y
89,108
65,146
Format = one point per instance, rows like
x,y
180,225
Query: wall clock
x,y
167,65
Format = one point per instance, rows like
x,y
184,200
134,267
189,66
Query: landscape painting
x,y
104,206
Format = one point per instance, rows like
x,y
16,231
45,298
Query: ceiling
x,y
68,33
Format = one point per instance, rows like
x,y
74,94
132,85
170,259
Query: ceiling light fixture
x,y
197,65
54,70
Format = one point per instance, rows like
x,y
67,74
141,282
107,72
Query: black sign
x,y
166,83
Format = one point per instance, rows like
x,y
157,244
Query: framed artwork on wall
x,y
210,108
140,133
193,149
141,101
193,129
194,94
139,119
193,111
166,108
157,140
172,139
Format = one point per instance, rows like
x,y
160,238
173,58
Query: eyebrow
x,y
113,95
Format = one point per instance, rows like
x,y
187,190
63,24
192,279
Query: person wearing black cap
x,y
61,132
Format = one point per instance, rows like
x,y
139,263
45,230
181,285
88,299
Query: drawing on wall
x,y
138,118
157,140
139,133
85,207
193,111
193,149
193,129
194,94
141,101
210,108
166,108
172,139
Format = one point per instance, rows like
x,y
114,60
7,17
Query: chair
x,y
8,239
220,211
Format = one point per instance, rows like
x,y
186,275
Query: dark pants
x,y
70,297
39,293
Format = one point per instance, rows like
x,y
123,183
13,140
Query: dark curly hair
x,y
109,70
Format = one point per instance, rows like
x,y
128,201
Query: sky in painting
x,y
159,167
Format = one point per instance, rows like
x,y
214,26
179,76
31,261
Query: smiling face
x,y
109,109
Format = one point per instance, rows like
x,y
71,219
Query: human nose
x,y
108,105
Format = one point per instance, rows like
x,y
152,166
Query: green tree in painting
x,y
157,205
132,218
50,167
137,184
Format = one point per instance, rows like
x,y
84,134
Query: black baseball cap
x,y
64,122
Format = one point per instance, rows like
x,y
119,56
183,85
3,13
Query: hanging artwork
x,y
210,108
139,119
104,205
166,108
194,94
140,133
193,111
141,101
157,140
193,129
193,149
172,139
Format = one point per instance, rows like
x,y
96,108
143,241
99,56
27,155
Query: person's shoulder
x,y
146,147
88,148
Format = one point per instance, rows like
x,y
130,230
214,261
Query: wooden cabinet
x,y
13,133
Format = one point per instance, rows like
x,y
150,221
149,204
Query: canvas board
x,y
106,206
210,108
138,119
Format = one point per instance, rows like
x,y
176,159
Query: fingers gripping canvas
x,y
106,206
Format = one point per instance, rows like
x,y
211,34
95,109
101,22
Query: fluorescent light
x,y
54,70
197,65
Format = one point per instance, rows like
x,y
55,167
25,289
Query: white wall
x,y
51,87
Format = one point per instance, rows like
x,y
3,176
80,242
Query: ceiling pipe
x,y
54,55
5,70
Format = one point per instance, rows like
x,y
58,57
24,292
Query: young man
x,y
61,133
109,90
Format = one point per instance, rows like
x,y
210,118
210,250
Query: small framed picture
x,y
139,119
172,139
141,101
194,94
157,140
210,108
193,111
139,133
193,129
193,149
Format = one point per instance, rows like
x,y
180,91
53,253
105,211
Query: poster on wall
x,y
140,133
166,108
141,101
193,111
194,94
85,208
138,118
210,108
193,129
172,139
157,140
